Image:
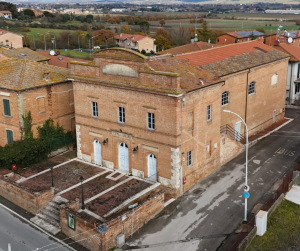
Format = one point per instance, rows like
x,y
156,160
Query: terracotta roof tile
x,y
192,47
133,38
222,53
19,74
23,53
294,51
3,31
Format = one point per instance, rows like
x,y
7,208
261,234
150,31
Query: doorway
x,y
152,169
123,157
97,151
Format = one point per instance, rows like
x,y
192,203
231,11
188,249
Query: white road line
x,y
42,230
94,215
47,170
78,184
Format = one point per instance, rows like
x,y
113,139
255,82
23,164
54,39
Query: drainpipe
x,y
181,129
291,77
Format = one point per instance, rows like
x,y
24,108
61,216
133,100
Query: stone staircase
x,y
49,218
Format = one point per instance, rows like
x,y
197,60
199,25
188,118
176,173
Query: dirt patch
x,y
112,199
93,187
63,177
29,171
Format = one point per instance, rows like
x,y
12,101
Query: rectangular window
x,y
251,88
297,87
41,105
190,158
6,104
71,97
151,121
209,113
10,136
95,109
225,98
121,115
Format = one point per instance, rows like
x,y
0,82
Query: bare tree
x,y
180,36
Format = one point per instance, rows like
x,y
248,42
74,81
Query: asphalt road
x,y
22,235
220,208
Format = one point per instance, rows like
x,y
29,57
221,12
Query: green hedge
x,y
23,152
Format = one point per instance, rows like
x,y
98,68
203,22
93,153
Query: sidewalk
x,y
219,209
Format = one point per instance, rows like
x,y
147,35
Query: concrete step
x,y
50,214
49,220
53,204
45,225
59,200
52,209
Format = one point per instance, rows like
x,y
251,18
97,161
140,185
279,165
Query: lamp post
x,y
51,168
32,39
79,42
107,40
69,40
246,172
82,201
92,49
53,38
44,40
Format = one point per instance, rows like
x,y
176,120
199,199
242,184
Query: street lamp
x,y
79,42
107,40
82,201
92,44
246,174
51,168
32,39
53,38
69,40
44,40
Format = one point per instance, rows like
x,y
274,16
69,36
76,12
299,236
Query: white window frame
x,y
151,123
225,98
121,115
190,158
251,88
208,113
94,109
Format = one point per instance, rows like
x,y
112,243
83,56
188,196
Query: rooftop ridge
x,y
164,56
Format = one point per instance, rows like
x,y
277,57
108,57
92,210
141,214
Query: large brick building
x,y
149,116
43,89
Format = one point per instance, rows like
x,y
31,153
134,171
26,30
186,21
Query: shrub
x,y
49,130
23,152
143,52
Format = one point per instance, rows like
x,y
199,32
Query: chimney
x,y
46,75
121,35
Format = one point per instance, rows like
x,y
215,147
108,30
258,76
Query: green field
x,y
75,54
37,31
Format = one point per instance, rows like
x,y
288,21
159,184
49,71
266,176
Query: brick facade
x,y
228,39
53,101
160,94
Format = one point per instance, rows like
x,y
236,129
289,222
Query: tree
x,y
118,21
102,35
261,30
125,28
48,14
162,43
28,12
162,22
162,32
130,21
180,36
111,20
143,52
252,36
192,21
144,25
204,34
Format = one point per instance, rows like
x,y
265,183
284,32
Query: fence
x,y
282,189
295,102
57,143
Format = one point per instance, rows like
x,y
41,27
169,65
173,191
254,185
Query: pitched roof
x,y
19,74
222,53
134,38
192,77
5,11
197,46
3,31
292,50
244,61
245,34
23,53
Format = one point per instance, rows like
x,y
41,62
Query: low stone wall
x,y
127,223
23,197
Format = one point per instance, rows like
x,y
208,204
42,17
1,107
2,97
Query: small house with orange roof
x,y
240,36
10,39
136,42
162,117
6,14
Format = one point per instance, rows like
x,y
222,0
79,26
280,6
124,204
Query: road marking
x,y
267,161
42,230
285,152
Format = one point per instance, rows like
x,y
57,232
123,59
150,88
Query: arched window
x,y
251,88
225,98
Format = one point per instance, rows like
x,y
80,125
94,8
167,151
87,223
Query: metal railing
x,y
57,143
232,133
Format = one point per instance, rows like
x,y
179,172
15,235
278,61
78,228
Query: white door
x,y
152,172
238,131
123,157
274,116
97,151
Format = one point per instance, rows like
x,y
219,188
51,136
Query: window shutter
x,y
10,137
6,105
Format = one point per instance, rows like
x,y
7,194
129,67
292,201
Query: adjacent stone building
x,y
43,89
10,39
150,116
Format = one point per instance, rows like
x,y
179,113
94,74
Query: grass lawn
x,y
283,230
75,54
35,31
